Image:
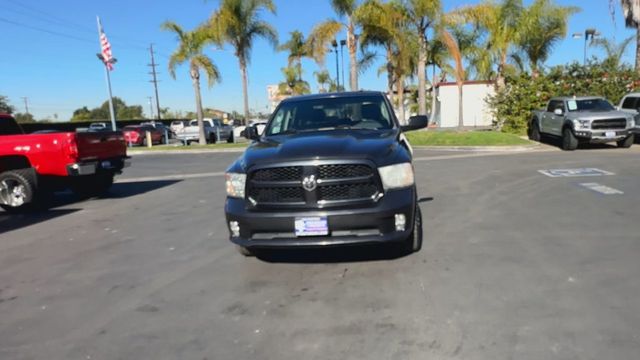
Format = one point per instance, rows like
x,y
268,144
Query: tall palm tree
x,y
239,24
324,33
631,12
502,22
423,14
292,85
297,48
190,49
323,78
614,51
459,73
544,24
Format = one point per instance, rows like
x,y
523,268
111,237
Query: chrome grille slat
x,y
604,124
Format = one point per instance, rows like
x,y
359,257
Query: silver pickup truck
x,y
582,120
214,131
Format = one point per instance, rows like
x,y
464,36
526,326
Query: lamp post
x,y
589,34
342,44
334,43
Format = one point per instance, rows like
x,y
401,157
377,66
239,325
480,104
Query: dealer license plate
x,y
311,226
610,134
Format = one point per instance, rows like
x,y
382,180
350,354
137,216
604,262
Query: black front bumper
x,y
353,226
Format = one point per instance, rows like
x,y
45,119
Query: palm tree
x,y
238,23
544,24
297,48
459,73
615,51
631,12
324,33
190,47
292,84
502,22
323,78
423,14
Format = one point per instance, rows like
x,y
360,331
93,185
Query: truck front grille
x,y
337,185
616,124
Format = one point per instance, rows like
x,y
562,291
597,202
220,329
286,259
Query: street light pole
x,y
342,44
589,34
334,43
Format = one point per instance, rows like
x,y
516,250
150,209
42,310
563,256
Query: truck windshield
x,y
9,126
593,105
330,114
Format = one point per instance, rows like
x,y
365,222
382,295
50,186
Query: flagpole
x,y
106,70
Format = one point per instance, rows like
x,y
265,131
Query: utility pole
x,y
154,80
26,105
150,106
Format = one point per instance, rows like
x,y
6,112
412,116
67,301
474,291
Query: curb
x,y
184,152
518,148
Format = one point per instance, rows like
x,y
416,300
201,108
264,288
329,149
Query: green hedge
x,y
523,93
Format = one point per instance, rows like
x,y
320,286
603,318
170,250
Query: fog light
x,y
401,221
234,227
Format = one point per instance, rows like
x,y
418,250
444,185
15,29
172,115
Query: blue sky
x,y
60,72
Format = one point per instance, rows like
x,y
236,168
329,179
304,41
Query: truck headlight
x,y
582,124
235,184
396,176
631,123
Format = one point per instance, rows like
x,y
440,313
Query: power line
x,y
26,105
45,30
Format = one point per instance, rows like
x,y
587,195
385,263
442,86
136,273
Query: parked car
x,y
214,130
159,126
582,120
32,165
238,132
630,103
177,126
136,135
329,170
99,126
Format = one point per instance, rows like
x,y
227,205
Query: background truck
x,y
34,165
214,131
582,120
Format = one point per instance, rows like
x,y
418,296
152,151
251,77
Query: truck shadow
x,y
557,142
9,222
333,255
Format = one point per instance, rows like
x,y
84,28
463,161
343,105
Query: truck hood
x,y
588,115
374,145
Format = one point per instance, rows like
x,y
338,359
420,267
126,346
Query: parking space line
x,y
602,189
171,177
579,172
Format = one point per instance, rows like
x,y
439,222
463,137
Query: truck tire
x,y
569,141
534,132
212,138
244,251
627,142
17,190
413,243
230,139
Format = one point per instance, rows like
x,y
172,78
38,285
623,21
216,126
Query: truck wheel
x,y
244,251
569,141
212,138
414,242
17,190
534,132
627,142
230,139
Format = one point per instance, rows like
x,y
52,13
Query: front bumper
x,y
600,136
91,167
353,226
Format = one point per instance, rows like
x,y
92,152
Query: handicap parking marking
x,y
602,189
575,172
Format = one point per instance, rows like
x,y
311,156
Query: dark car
x,y
136,135
329,170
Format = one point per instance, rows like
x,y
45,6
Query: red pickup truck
x,y
32,165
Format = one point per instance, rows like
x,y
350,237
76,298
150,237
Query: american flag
x,y
106,49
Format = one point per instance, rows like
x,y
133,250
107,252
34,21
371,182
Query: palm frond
x,y
205,64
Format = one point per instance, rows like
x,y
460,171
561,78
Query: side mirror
x,y
251,133
558,112
416,122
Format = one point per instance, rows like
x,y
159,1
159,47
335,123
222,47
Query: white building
x,y
476,111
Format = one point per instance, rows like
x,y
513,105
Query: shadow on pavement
x,y
9,222
333,255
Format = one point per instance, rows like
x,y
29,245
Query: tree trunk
x,y
500,82
400,99
460,107
245,91
422,83
352,44
638,48
195,78
389,72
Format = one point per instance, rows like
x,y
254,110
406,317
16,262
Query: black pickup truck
x,y
329,170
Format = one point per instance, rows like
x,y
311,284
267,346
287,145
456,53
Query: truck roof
x,y
576,97
332,95
5,116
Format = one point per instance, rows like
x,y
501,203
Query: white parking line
x,y
574,172
171,177
602,189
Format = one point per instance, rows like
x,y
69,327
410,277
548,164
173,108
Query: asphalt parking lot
x,y
516,264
